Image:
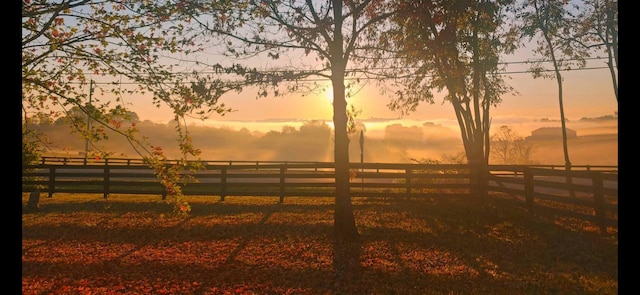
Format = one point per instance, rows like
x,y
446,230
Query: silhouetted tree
x,y
454,46
596,27
548,21
507,147
333,30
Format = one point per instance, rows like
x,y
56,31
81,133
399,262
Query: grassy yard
x,y
83,244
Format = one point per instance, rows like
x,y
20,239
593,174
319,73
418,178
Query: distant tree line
x,y
312,141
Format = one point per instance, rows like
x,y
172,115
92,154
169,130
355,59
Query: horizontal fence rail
x,y
594,190
593,187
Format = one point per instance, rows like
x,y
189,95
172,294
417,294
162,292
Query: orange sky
x,y
587,93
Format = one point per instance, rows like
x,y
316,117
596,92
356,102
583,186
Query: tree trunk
x,y
565,148
344,220
476,160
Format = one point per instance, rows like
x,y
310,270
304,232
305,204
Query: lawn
x,y
84,244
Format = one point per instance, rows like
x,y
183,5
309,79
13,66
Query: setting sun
x,y
328,94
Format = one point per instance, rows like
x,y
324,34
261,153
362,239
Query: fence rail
x,y
593,187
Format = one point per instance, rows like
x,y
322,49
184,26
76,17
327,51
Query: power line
x,y
370,78
417,67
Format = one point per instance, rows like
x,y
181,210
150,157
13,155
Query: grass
x,y
84,244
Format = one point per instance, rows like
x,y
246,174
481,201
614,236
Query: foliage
x,y
596,28
30,149
453,46
507,147
80,58
81,244
549,25
352,123
67,46
445,159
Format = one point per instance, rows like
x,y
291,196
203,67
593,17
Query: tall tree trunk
x,y
565,148
612,47
344,220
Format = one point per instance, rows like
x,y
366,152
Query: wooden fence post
x,y
572,191
408,182
223,183
52,181
106,182
528,188
598,201
282,177
483,181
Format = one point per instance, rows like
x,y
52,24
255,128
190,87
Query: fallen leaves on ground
x,y
247,245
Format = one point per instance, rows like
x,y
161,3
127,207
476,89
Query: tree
x,y
549,20
332,30
507,147
31,151
67,44
453,46
596,27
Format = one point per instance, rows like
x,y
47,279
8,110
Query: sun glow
x,y
328,94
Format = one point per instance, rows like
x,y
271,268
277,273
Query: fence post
x,y
106,181
52,181
223,183
598,198
528,188
572,191
483,181
283,169
408,182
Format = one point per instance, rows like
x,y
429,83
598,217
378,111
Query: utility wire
x,y
370,78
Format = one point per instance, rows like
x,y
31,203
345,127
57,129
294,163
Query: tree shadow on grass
x,y
346,265
406,247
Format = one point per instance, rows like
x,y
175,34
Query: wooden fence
x,y
594,188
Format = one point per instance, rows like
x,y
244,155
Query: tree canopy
x,y
85,56
452,46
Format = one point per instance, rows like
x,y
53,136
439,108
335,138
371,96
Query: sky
x,y
586,93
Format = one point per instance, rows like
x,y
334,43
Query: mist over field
x,y
386,140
